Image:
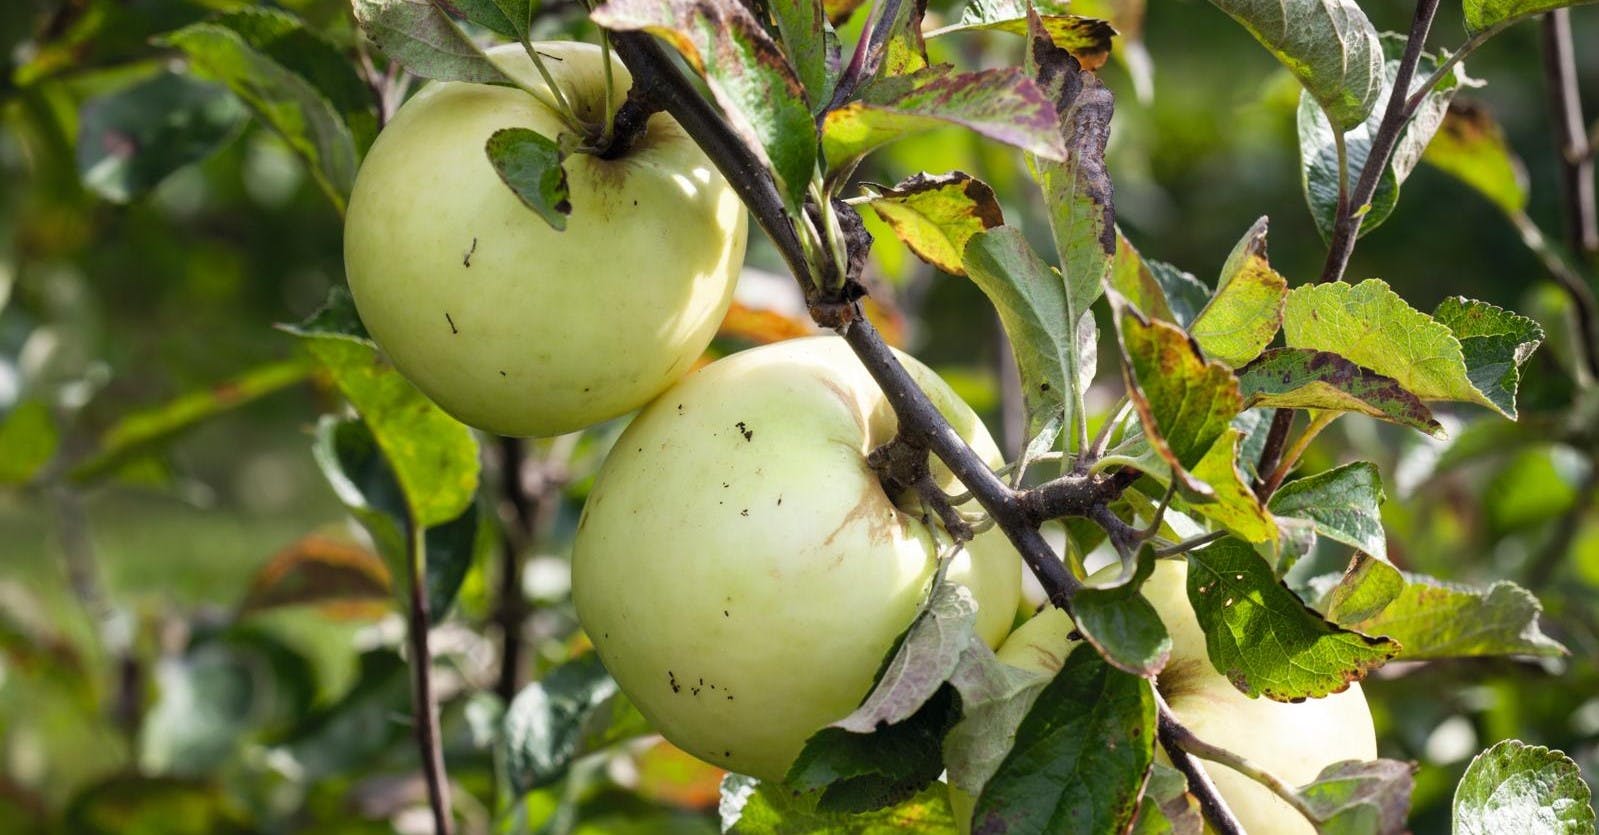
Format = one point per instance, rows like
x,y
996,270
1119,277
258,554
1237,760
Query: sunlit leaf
x,y
1515,787
935,215
1357,798
1344,502
1244,315
1495,343
1087,38
1435,619
420,36
1328,45
1486,14
1304,378
28,441
752,807
1471,147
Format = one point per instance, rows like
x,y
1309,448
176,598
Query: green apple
x,y
739,566
506,323
1294,742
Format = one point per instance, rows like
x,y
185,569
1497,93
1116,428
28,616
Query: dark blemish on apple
x,y
451,321
724,485
680,408
466,260
725,614
672,680
1043,386
779,501
502,373
747,432
744,512
694,691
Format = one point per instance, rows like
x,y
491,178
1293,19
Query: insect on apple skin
x,y
508,324
739,566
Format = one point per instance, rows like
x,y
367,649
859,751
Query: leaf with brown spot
x,y
748,73
1088,39
1471,147
1263,638
935,215
318,570
1304,378
1246,311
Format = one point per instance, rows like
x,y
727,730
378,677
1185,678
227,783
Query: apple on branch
x,y
740,568
511,325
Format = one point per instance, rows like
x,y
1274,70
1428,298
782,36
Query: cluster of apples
x,y
739,567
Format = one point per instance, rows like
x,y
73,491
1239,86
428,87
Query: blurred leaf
x,y
421,37
1328,45
1122,625
134,805
1515,787
1035,309
544,726
1263,638
751,807
1531,489
1086,38
1486,14
530,163
747,72
802,30
1319,155
668,774
363,723
1244,315
28,441
139,433
1371,326
1433,619
131,139
1081,756
1360,798
935,215
1000,104
281,99
854,772
1495,343
1471,147
1304,378
763,326
452,548
1344,502
1167,807
1184,403
319,571
1365,588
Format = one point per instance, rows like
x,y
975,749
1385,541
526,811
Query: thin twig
x,y
1189,544
1565,110
1346,226
424,705
1584,309
1448,66
511,609
1211,804
1272,453
1186,740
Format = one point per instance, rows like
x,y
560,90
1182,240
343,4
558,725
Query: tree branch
x,y
424,706
1171,734
1186,740
1565,110
1346,228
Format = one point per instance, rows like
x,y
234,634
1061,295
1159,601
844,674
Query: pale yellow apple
x,y
741,570
1291,741
508,324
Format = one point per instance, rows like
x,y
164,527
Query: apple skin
x,y
739,567
1293,741
506,323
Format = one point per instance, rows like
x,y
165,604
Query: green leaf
x,y
1168,808
1495,343
1133,277
1034,308
751,807
995,698
1360,798
1081,756
1482,15
511,21
1122,625
864,772
1365,588
748,74
131,139
1471,147
1236,507
1515,787
281,99
1244,315
1318,153
1088,39
1184,403
1344,502
421,37
1304,378
1077,190
1371,326
28,441
802,27
544,727
1000,104
138,433
1328,45
138,805
923,660
935,215
1263,638
1433,619
530,163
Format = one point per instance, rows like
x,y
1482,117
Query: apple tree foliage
x,y
1226,383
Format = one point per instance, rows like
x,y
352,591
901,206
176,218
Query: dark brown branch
x,y
511,609
424,705
1346,228
1172,734
1272,453
629,124
1565,110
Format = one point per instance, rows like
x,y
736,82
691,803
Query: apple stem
x,y
1211,804
610,87
1185,739
562,107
